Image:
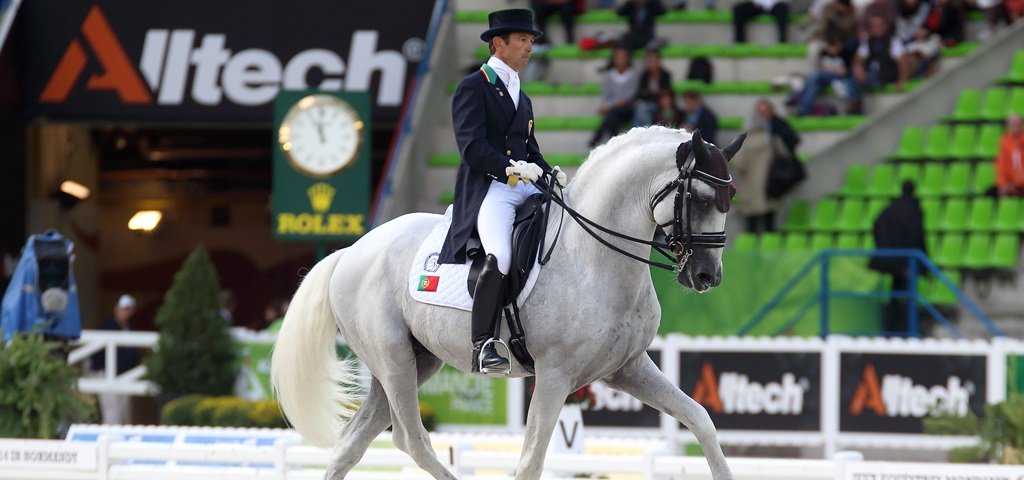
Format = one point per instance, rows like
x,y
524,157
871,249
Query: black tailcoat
x,y
489,131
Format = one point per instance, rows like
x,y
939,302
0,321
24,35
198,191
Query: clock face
x,y
320,135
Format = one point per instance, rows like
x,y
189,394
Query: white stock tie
x,y
513,88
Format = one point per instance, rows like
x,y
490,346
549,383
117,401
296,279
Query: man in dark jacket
x,y
900,225
641,15
494,130
699,116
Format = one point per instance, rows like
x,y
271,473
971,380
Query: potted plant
x,y
195,353
38,389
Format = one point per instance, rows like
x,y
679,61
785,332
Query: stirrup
x,y
490,371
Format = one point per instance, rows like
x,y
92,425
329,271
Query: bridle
x,y
677,247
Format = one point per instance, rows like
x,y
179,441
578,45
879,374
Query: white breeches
x,y
497,213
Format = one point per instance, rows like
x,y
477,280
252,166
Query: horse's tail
x,y
315,390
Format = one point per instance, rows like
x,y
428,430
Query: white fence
x,y
56,460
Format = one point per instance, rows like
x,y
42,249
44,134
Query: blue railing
x,y
915,261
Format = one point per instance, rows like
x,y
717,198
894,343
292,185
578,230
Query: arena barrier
x,y
836,393
126,460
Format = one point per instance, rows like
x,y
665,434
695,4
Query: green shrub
x,y
38,389
203,413
232,412
428,417
181,411
195,353
267,414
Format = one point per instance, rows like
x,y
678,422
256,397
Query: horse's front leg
x,y
547,402
641,378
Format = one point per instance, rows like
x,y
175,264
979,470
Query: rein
x,y
680,243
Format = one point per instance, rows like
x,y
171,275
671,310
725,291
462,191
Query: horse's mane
x,y
654,136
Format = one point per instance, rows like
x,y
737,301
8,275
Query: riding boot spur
x,y
486,309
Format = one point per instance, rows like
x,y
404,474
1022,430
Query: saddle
x,y
528,231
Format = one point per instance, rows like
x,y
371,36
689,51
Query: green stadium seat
x,y
447,198
867,242
871,212
825,214
1007,211
907,171
883,181
798,217
979,251
938,294
911,145
848,241
951,251
821,241
932,180
984,178
988,141
856,181
1015,73
931,240
931,207
957,179
771,242
850,215
980,218
938,142
964,142
995,105
1017,101
968,105
745,242
1005,251
796,241
954,217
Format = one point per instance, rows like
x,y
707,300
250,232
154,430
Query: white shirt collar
x,y
504,71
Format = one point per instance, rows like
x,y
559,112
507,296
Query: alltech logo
x,y
181,65
734,393
900,396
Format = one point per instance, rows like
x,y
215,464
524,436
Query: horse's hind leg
x,y
390,362
373,416
641,378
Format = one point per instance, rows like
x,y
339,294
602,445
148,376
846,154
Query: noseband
x,y
683,240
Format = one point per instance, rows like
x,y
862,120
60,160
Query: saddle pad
x,y
445,284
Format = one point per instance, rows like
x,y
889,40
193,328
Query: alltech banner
x,y
223,61
610,408
891,393
755,390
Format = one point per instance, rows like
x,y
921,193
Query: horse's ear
x,y
734,147
700,149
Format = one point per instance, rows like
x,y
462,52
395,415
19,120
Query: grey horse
x,y
591,315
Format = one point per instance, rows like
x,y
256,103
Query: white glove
x,y
560,176
523,169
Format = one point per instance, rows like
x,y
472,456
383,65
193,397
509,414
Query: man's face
x,y
691,103
1013,124
123,314
515,53
878,27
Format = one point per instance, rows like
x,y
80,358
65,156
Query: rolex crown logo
x,y
320,196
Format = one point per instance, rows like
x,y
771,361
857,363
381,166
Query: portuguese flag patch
x,y
428,283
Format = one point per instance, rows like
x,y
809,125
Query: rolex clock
x,y
320,135
321,183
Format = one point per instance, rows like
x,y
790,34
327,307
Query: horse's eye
x,y
704,203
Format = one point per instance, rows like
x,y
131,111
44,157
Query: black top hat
x,y
509,21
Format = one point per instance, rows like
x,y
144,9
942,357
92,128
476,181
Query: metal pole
x,y
912,326
825,258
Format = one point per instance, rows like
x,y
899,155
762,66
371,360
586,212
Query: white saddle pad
x,y
445,284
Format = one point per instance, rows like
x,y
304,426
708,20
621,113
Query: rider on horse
x,y
493,123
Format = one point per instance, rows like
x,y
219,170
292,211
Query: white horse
x,y
591,316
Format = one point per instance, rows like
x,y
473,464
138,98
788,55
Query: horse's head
x,y
692,209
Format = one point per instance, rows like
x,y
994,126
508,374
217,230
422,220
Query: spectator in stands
x,y
911,19
880,59
836,19
619,89
681,4
699,117
668,114
1001,11
745,11
279,308
947,21
900,225
565,9
701,70
641,15
768,136
922,57
1010,160
227,306
116,408
835,69
653,80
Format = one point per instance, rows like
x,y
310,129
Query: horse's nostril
x,y
704,278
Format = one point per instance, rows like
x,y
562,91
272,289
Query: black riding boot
x,y
486,299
